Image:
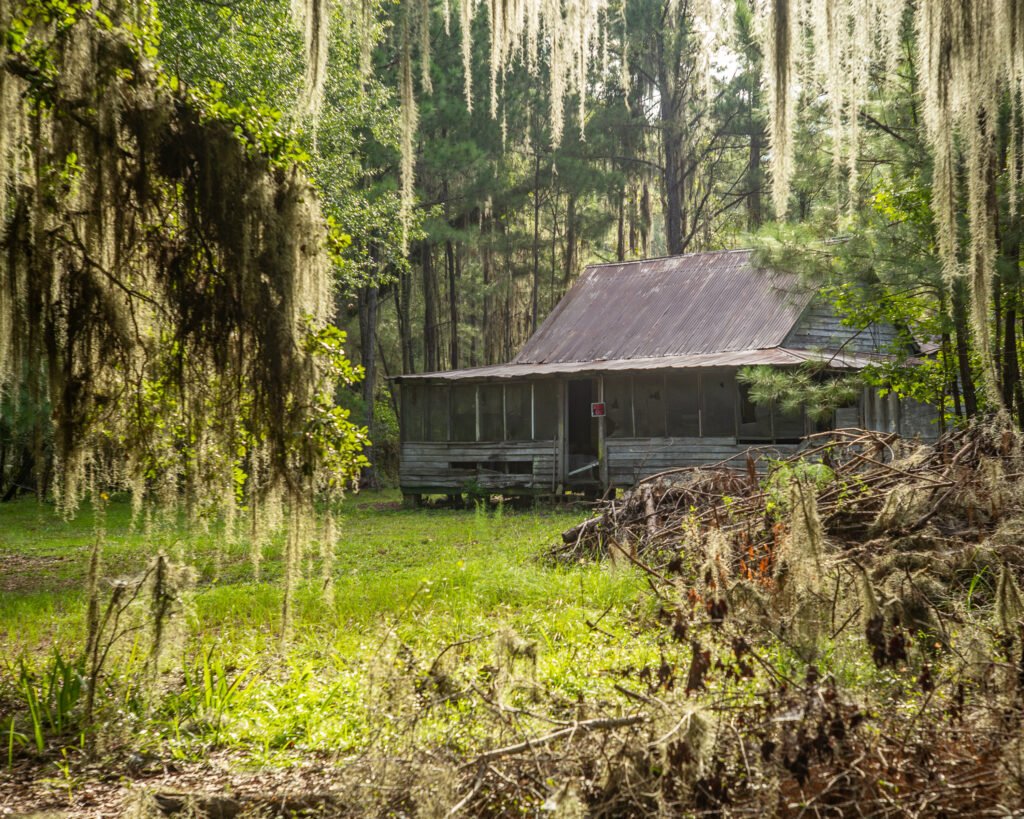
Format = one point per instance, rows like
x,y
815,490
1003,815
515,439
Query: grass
x,y
447,636
425,602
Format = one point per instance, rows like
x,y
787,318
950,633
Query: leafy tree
x,y
166,274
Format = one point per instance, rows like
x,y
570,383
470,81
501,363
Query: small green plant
x,y
783,475
13,737
209,691
975,581
52,697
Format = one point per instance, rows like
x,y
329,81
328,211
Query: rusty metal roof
x,y
776,356
678,305
679,312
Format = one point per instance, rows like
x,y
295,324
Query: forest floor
x,y
431,598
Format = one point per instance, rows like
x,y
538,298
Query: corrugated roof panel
x,y
777,356
678,305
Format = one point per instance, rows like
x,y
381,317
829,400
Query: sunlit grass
x,y
409,584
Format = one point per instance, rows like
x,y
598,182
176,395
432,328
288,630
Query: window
x,y
718,391
755,419
518,412
618,402
545,410
464,412
682,404
649,406
492,427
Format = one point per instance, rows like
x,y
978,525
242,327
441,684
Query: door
x,y
582,446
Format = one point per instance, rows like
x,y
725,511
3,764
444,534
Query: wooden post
x,y
602,452
560,444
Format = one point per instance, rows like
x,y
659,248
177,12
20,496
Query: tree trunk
x,y
672,150
510,310
620,244
554,250
997,329
535,287
1009,244
487,330
367,335
949,380
453,303
403,297
960,325
645,220
634,220
754,216
673,193
431,346
570,240
1011,365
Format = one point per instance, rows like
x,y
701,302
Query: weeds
x,y
800,658
208,693
51,700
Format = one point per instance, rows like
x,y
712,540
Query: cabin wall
x,y
904,416
486,436
439,466
649,403
630,459
918,420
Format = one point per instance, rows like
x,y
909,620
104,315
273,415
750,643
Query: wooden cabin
x,y
634,372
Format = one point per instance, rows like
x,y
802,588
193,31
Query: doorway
x,y
581,434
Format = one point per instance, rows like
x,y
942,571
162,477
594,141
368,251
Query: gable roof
x,y
679,305
696,311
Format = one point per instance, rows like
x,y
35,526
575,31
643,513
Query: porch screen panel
x,y
414,412
436,424
682,404
464,412
789,426
649,406
518,411
545,410
491,421
618,402
718,390
755,419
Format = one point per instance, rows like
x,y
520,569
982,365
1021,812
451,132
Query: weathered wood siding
x,y
820,328
630,459
904,416
440,466
918,420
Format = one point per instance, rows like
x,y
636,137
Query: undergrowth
x,y
424,603
814,642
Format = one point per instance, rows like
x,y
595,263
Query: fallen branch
x,y
601,724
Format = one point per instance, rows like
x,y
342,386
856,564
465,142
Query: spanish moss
x,y
165,282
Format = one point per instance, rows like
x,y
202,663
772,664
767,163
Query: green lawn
x,y
432,600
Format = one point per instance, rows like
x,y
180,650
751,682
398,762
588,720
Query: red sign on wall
x,y
597,410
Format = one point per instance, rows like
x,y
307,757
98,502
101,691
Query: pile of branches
x,y
867,484
894,555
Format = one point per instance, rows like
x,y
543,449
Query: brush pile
x,y
866,591
871,491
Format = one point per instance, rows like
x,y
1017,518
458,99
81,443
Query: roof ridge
x,y
671,256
